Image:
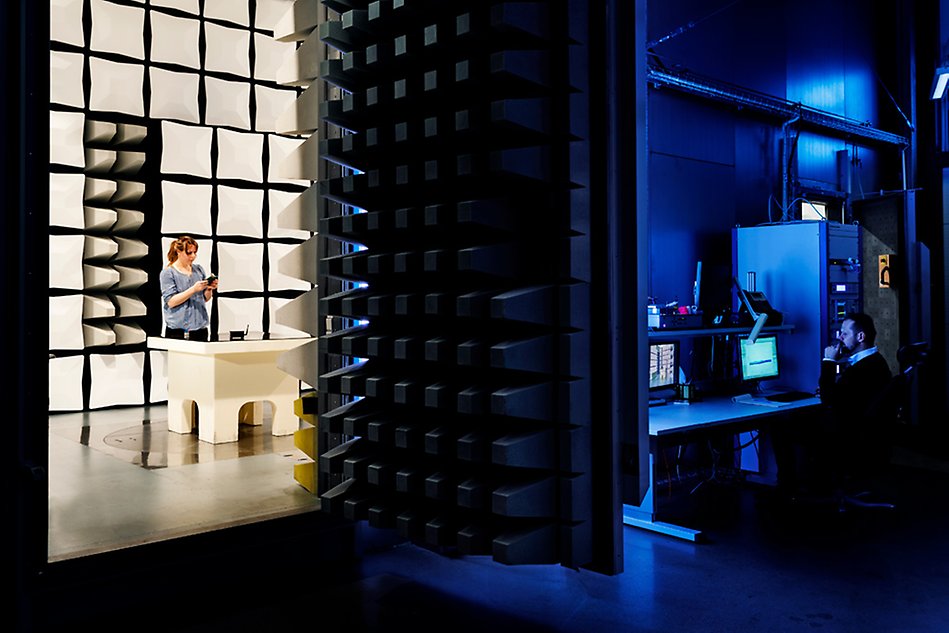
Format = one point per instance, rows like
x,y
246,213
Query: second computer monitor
x,y
758,360
663,365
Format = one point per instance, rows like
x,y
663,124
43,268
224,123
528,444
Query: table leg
x,y
218,421
285,422
179,415
644,515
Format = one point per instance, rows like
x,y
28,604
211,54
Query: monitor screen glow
x,y
663,365
759,360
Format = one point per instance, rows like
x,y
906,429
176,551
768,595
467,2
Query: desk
x,y
667,421
221,377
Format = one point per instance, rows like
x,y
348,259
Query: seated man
x,y
846,441
853,377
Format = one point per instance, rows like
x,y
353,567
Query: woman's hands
x,y
198,286
209,288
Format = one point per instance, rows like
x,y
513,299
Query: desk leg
x,y
644,515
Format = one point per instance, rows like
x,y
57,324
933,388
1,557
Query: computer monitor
x,y
663,365
758,360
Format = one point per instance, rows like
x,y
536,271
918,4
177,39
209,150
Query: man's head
x,y
857,333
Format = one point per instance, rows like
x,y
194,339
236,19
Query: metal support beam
x,y
767,105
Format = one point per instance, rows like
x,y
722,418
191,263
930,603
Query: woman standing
x,y
185,291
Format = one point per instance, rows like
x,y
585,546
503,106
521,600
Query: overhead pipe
x,y
786,166
827,122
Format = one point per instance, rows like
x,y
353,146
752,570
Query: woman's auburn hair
x,y
179,246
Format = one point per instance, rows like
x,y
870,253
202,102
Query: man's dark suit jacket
x,y
857,412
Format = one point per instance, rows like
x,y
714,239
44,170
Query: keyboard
x,y
789,396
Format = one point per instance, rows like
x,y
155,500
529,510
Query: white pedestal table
x,y
223,376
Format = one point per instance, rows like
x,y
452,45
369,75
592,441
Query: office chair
x,y
892,409
910,358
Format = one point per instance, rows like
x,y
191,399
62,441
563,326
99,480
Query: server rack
x,y
810,272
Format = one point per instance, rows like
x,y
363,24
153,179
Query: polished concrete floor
x,y
119,478
767,565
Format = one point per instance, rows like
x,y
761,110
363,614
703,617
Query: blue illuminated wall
x,y
713,166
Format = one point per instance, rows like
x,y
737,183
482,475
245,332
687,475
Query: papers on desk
x,y
747,398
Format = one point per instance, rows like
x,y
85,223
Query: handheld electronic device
x,y
210,278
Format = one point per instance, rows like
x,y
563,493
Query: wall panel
x,y
168,134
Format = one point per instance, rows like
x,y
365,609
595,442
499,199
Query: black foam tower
x,y
455,277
